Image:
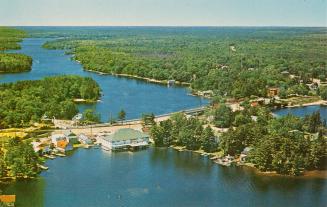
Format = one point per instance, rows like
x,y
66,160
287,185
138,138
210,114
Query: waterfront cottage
x,y
61,142
124,139
272,92
71,137
41,148
245,153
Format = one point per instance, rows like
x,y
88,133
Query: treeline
x,y
18,160
10,37
233,62
26,102
181,131
12,63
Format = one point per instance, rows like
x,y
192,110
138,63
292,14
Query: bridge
x,y
193,111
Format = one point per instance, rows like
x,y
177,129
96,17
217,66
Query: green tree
x,y
323,92
223,116
90,116
209,141
122,115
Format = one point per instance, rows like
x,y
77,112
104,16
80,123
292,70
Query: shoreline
x,y
322,174
151,80
315,103
85,101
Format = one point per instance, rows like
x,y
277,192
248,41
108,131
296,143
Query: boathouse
x,y
124,139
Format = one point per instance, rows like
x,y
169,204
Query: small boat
x,y
225,161
43,167
60,155
49,156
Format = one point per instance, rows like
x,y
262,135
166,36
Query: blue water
x,y
303,111
160,177
134,96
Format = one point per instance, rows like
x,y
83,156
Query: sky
x,y
163,12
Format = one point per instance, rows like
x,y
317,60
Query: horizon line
x,y
212,26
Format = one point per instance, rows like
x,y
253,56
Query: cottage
x,y
273,92
78,117
61,142
71,137
8,200
245,153
41,148
124,139
170,83
58,138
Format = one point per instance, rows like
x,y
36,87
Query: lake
x,y
160,177
134,96
153,177
303,111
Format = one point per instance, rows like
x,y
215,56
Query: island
x,y
11,62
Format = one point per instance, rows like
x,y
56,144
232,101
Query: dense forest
x,y
9,62
235,62
181,131
18,160
15,63
10,37
26,102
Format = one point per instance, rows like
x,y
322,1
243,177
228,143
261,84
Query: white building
x,y
55,138
124,139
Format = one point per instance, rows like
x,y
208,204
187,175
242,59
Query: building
x,y
124,139
41,148
82,138
8,200
170,83
273,92
71,137
55,138
61,142
245,153
77,118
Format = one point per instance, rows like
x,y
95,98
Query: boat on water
x,y
60,155
225,161
43,167
49,156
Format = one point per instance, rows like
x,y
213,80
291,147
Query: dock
x,y
49,156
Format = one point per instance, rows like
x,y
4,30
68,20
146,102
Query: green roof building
x,y
124,139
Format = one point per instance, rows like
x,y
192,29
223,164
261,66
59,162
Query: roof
x,y
62,144
246,150
126,134
8,198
